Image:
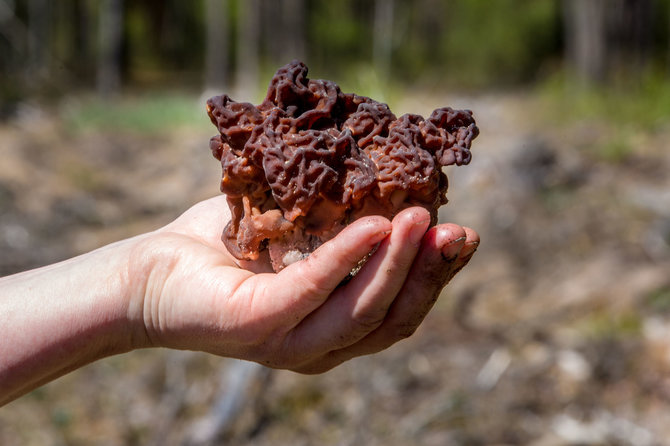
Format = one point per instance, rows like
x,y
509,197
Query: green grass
x,y
158,112
607,325
643,104
658,300
618,116
152,113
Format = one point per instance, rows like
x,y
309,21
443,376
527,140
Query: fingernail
x,y
452,250
418,231
469,249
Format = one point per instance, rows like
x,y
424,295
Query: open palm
x,y
198,296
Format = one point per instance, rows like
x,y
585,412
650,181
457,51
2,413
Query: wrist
x,y
142,267
100,289
152,259
75,312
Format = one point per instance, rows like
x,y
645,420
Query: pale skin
x,y
178,287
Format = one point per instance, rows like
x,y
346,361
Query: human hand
x,y
194,294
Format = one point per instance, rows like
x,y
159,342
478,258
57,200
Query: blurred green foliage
x,y
617,113
465,43
146,113
488,43
643,102
658,300
164,37
607,324
61,417
433,45
473,44
340,32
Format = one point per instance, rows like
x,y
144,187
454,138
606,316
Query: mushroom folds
x,y
310,159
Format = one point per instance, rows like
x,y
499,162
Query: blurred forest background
x,y
49,49
557,333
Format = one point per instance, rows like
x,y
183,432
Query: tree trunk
x,y
248,37
38,42
272,31
632,25
216,56
382,42
283,30
81,50
12,30
586,38
293,20
111,39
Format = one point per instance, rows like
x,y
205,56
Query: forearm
x,y
63,316
177,287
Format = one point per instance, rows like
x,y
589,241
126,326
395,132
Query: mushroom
x,y
310,159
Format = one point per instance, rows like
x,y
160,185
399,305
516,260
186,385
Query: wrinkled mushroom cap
x,y
310,159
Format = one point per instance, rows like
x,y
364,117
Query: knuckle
x,y
366,322
309,285
403,331
401,266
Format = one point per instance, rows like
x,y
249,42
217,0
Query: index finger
x,y
442,248
305,285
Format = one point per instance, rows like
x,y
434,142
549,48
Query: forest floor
x,y
557,333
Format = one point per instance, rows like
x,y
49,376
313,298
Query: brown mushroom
x,y
310,159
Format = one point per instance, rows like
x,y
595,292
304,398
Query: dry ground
x,y
557,333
